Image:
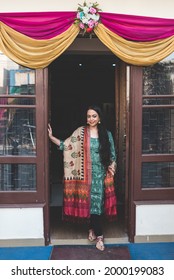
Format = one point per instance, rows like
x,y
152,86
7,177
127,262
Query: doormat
x,y
85,252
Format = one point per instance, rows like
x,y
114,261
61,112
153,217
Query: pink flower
x,y
78,15
92,10
81,25
91,23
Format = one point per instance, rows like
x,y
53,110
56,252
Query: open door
x,y
77,81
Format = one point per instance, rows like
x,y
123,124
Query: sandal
x,y
91,236
100,243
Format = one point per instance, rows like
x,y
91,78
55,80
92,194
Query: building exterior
x,y
138,103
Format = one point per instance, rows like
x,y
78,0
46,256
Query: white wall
x,y
155,219
21,223
157,8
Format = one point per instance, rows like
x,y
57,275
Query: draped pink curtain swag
x,y
39,25
138,28
45,25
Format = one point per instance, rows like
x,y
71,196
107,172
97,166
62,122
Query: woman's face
x,y
92,118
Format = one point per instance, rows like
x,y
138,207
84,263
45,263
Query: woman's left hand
x,y
112,168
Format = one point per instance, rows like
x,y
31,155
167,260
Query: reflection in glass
x,y
15,79
18,131
158,79
158,175
17,101
158,101
17,177
158,130
22,81
17,125
158,122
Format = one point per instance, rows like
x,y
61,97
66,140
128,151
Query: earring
x,y
99,122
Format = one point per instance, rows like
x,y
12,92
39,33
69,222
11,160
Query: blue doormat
x,y
26,253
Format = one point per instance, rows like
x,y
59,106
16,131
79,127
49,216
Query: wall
x,y
21,226
156,8
154,223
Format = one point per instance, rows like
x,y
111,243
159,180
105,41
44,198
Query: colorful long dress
x,y
97,174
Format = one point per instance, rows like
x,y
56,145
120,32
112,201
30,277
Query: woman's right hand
x,y
52,138
50,132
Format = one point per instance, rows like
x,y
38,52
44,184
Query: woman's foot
x,y
100,243
91,235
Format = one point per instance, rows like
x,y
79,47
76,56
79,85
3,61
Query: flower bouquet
x,y
87,17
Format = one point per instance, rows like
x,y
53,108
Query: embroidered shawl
x,y
77,175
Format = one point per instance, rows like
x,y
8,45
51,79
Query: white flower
x,y
95,17
84,20
85,9
88,16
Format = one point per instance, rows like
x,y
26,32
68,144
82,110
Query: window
x,y
21,120
17,177
158,124
153,130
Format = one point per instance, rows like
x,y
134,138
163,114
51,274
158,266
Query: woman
x,y
89,155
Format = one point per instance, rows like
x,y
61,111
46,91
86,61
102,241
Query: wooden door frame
x,y
138,194
122,105
135,78
121,116
46,209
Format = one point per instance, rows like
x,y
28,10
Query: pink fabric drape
x,y
138,28
46,25
39,25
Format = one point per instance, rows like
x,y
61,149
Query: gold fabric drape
x,y
34,53
136,53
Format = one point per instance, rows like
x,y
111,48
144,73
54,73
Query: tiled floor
x,y
73,233
77,233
